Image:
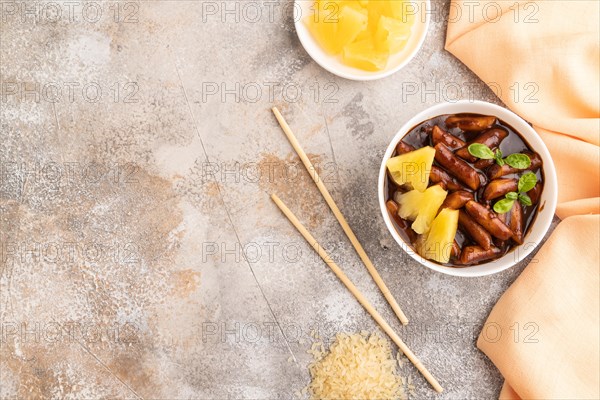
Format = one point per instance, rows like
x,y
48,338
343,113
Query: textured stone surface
x,y
141,255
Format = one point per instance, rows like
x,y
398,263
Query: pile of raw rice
x,y
359,366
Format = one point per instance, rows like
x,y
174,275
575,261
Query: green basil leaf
x,y
527,182
518,160
512,196
480,151
498,157
503,206
524,199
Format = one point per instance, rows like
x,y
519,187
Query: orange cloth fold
x,y
542,58
541,334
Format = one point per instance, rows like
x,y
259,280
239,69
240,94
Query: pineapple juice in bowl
x,y
467,188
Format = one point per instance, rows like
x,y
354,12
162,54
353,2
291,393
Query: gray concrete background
x,y
142,256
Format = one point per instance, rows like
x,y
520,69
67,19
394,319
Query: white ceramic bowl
x,y
334,64
547,204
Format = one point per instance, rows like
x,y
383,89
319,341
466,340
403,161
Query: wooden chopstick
x,y
354,290
340,217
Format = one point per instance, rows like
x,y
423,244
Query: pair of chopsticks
x,y
359,249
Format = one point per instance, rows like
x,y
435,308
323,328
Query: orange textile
x,y
542,58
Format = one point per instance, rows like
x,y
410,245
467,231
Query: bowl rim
x,y
549,195
310,46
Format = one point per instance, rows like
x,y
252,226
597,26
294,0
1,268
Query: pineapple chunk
x,y
351,23
391,35
364,35
409,203
412,168
431,203
365,56
438,243
375,10
336,25
363,32
421,207
357,5
402,10
322,29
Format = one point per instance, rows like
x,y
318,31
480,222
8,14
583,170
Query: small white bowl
x,y
547,203
334,64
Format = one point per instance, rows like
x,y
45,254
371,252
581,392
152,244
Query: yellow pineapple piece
x,y
430,204
402,10
336,24
409,203
356,4
364,35
391,34
437,244
365,32
333,5
412,168
365,56
421,207
375,9
322,29
351,23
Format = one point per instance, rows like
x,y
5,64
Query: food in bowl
x,y
363,33
463,189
